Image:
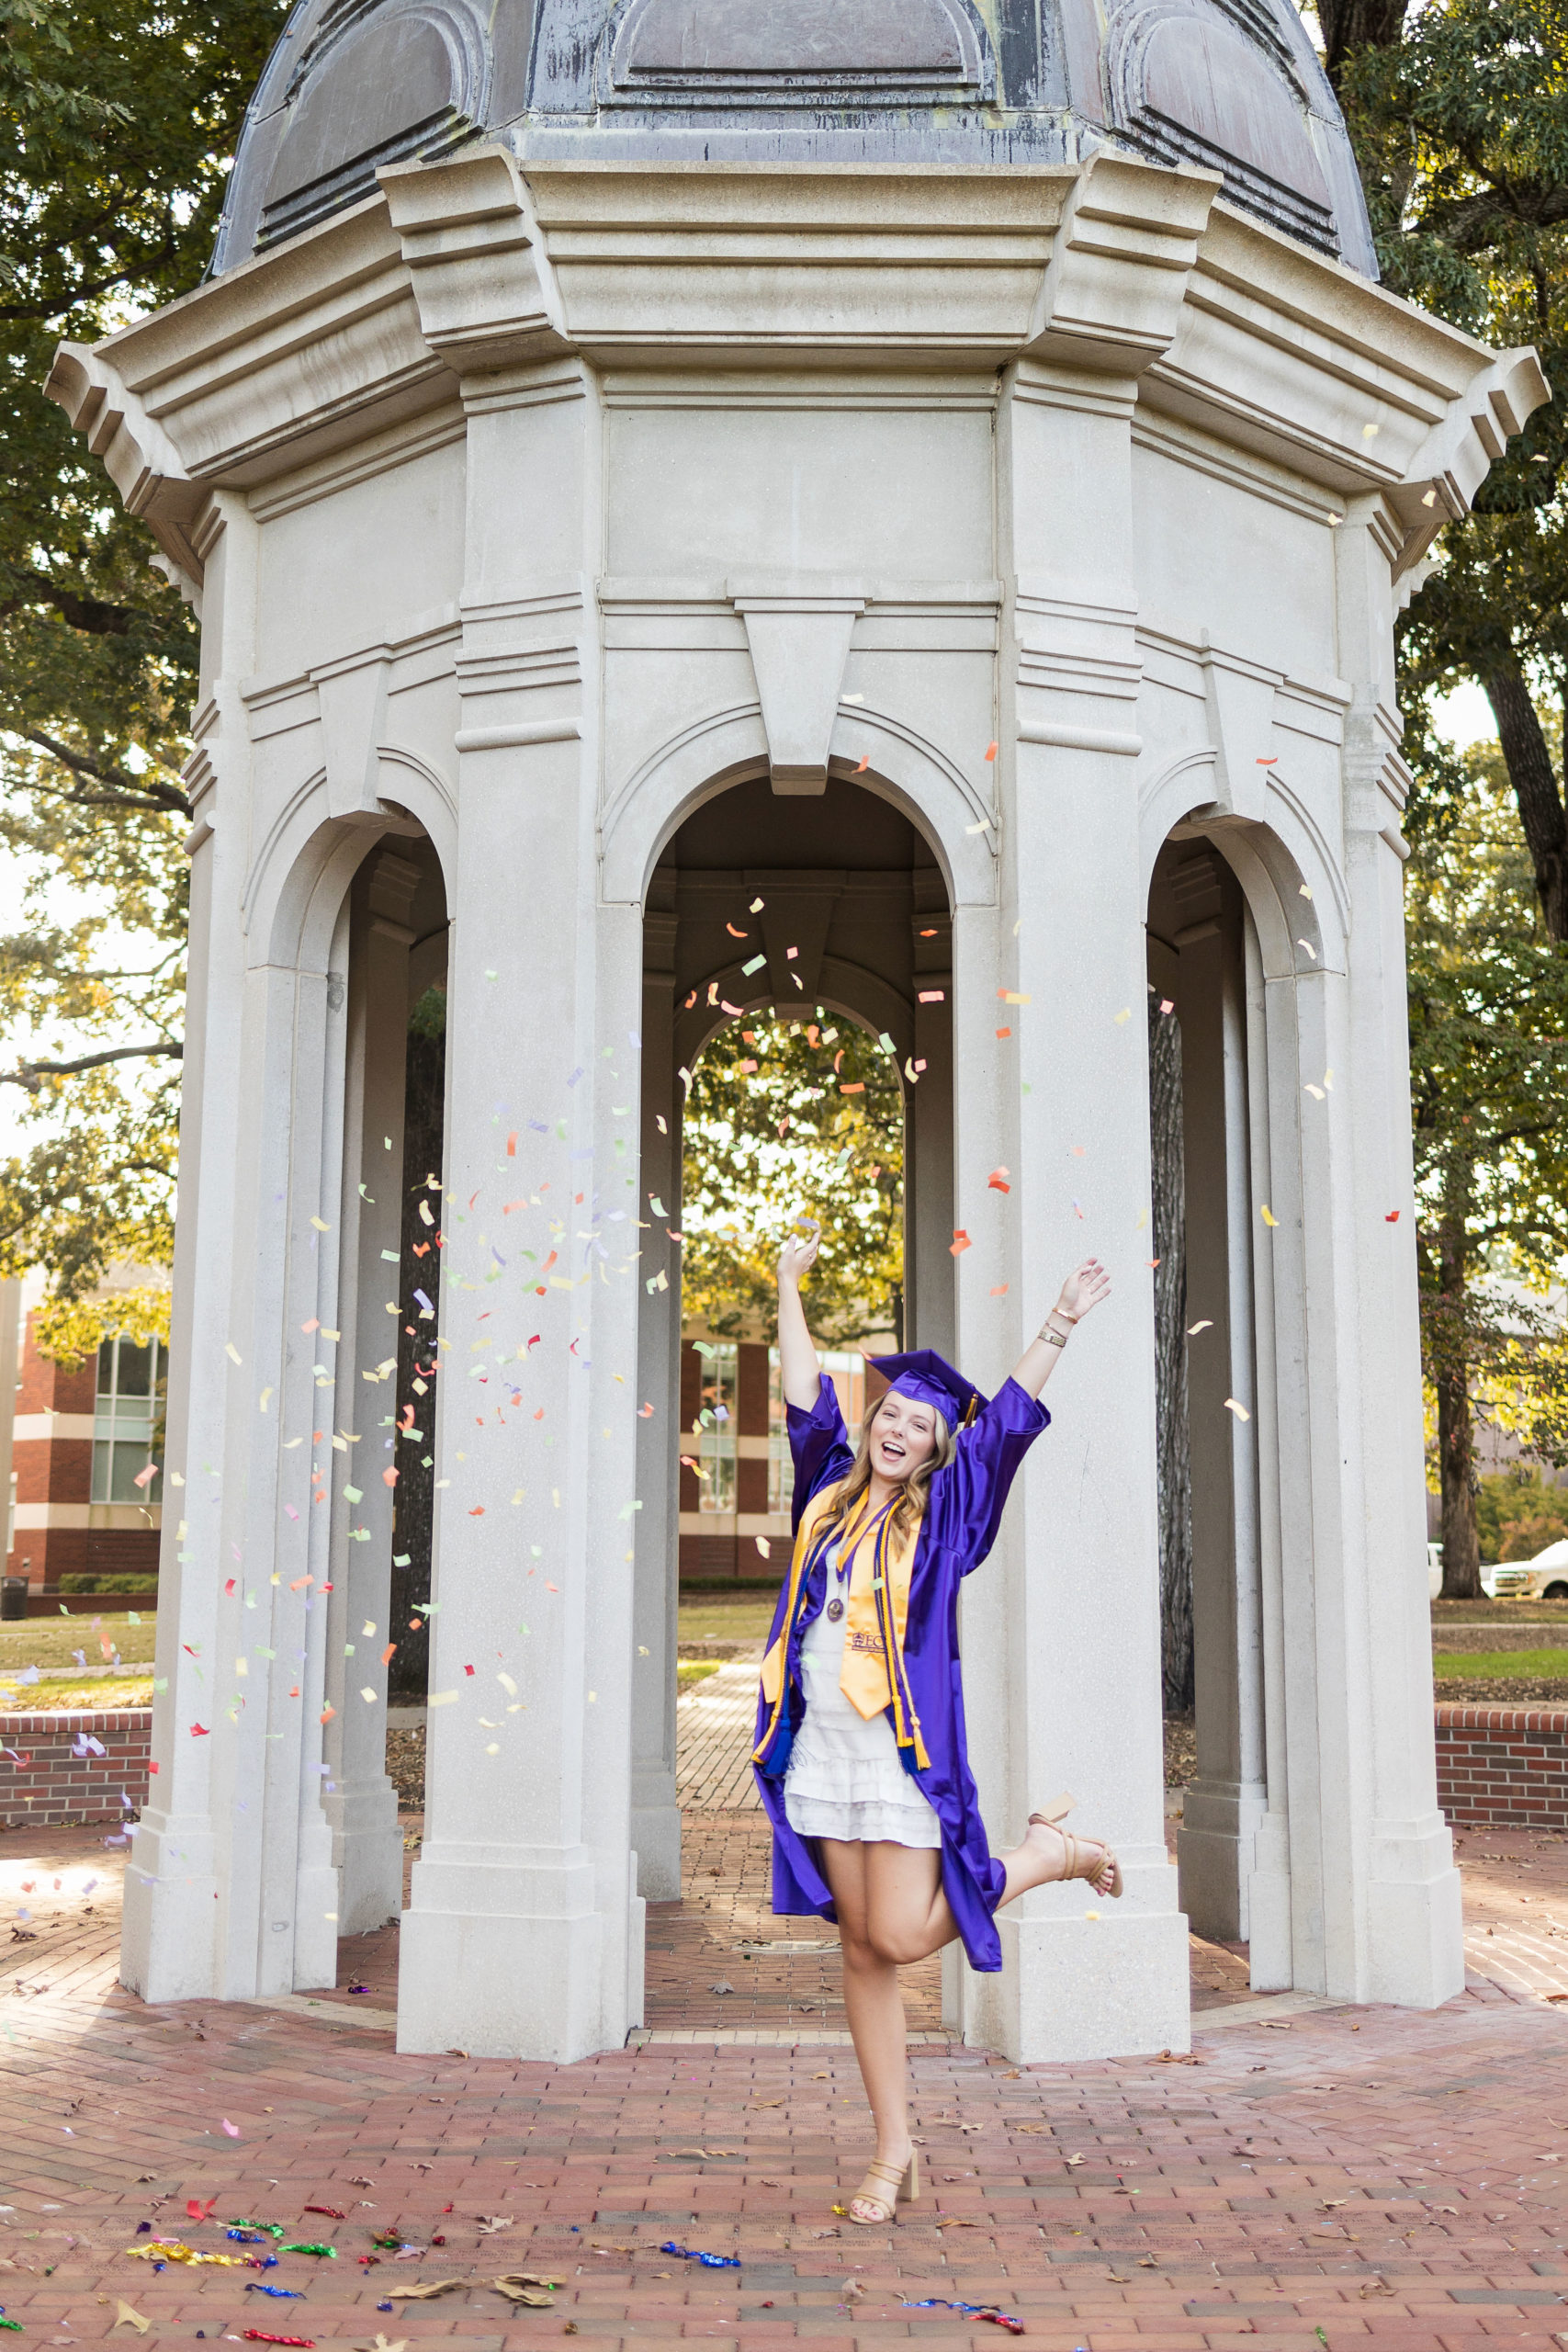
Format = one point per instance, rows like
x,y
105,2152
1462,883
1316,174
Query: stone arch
x,y
1273,855
700,761
309,856
407,781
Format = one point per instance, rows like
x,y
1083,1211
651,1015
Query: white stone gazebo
x,y
639,462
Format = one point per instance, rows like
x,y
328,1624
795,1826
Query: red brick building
x,y
82,1438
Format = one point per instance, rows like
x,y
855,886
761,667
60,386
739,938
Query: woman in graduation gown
x,y
861,1755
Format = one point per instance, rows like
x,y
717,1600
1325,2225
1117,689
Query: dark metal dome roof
x,y
1232,85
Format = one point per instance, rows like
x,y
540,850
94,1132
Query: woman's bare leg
x,y
892,1909
872,2001
907,1914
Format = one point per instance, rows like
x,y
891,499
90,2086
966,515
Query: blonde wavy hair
x,y
910,1509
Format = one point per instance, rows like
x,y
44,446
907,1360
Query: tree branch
x,y
128,792
1473,222
91,614
30,1074
1527,758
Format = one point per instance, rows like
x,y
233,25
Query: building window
x,y
715,1432
128,1421
846,1369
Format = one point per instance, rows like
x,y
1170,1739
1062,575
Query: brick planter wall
x,y
50,1784
1502,1767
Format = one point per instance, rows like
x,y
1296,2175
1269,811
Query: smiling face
x,y
902,1435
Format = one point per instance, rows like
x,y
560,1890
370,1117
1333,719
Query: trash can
x,y
13,1597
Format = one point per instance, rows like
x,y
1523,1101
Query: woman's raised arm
x,y
1081,1291
800,1371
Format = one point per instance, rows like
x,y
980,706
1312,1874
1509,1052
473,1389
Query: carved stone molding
x,y
353,700
138,455
473,258
799,642
1113,290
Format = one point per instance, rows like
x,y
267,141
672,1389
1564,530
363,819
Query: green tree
x,y
1458,113
1489,1057
786,1118
116,133
1520,1514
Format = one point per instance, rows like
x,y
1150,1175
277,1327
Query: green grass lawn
x,y
689,1671
96,1691
1487,1666
50,1641
716,1617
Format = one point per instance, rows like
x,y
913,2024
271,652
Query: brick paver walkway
x,y
1344,2178
1331,2177
715,1726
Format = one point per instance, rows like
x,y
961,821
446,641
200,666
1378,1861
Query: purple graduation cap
x,y
929,1379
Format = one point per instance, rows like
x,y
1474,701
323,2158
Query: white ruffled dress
x,y
844,1778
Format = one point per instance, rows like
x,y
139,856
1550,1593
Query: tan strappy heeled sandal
x,y
873,2190
1081,1860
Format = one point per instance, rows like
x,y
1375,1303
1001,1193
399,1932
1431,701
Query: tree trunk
x,y
1534,780
409,1673
1349,24
1169,1208
1456,1428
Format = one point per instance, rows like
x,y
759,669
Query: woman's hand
x,y
799,1254
1083,1289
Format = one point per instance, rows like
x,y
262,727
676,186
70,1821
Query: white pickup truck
x,y
1543,1578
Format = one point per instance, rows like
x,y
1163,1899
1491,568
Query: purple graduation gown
x,y
963,1509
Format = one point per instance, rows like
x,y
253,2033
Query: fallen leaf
x,y
490,2222
423,2294
128,2316
527,2286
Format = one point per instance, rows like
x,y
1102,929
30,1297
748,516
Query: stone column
x,y
1414,1935
1068,1612
170,1940
522,1937
656,1812
1270,1892
361,1803
928,1301
1227,1797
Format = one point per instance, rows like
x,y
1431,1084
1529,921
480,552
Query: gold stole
x,y
881,1565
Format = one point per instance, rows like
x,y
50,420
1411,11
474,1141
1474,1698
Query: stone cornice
x,y
1129,281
